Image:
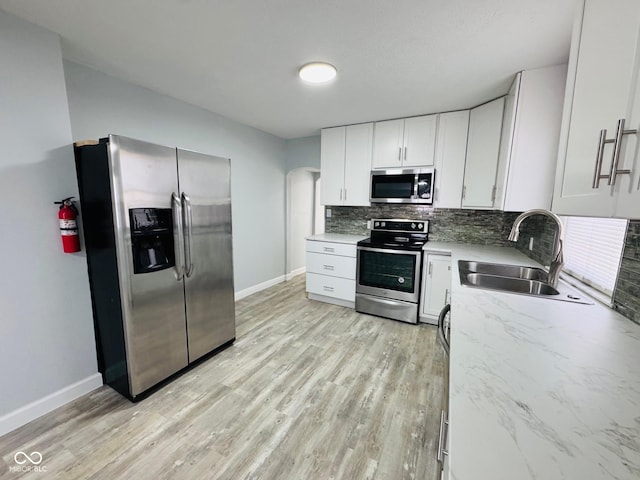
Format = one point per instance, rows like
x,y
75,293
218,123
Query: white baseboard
x,y
24,415
295,273
257,288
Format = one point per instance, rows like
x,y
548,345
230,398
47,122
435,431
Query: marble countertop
x,y
337,238
539,389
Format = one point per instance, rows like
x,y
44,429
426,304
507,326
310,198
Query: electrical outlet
x,y
530,243
328,213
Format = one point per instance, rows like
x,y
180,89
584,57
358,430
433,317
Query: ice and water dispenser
x,y
151,239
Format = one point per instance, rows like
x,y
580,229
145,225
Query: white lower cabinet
x,y
331,272
436,285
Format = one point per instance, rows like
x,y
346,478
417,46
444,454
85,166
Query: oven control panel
x,y
398,225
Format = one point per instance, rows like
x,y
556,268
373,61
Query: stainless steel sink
x,y
515,279
510,284
502,270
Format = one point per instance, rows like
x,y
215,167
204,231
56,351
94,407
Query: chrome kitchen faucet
x,y
557,261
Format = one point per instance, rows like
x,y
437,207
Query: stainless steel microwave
x,y
402,186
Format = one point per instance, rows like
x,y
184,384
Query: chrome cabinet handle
x,y
178,240
430,268
615,160
443,425
345,194
329,267
188,243
405,153
340,194
329,249
446,295
399,154
327,289
617,147
597,174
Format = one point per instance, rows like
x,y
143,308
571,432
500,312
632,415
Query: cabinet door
x,y
419,141
387,144
451,151
483,146
357,164
601,74
534,146
628,186
332,149
437,284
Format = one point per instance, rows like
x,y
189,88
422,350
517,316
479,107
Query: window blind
x,y
593,249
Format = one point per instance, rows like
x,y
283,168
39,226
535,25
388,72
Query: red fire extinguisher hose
x,y
67,216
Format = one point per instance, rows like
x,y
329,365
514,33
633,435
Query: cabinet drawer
x,y
342,249
341,288
333,265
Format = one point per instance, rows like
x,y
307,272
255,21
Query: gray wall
x,y
46,320
303,152
100,104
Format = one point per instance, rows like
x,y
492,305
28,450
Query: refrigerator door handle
x,y
189,224
178,239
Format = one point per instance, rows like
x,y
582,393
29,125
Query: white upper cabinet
x,y
513,144
419,141
531,131
591,177
483,148
628,205
408,142
387,143
357,164
332,146
451,152
345,164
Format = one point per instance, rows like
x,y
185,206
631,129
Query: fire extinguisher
x,y
68,225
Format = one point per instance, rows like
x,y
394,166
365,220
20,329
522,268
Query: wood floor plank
x,y
308,391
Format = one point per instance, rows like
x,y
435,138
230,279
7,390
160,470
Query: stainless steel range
x,y
388,269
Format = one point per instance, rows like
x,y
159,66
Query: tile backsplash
x,y
626,297
484,227
480,227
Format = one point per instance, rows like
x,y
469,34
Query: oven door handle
x,y
415,253
443,338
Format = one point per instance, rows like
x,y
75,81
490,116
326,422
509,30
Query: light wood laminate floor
x,y
308,391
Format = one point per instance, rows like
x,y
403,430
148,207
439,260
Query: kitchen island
x,y
539,388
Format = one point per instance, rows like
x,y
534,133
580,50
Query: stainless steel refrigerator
x,y
157,229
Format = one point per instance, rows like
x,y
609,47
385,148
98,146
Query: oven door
x,y
388,273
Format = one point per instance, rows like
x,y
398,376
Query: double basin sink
x,y
515,279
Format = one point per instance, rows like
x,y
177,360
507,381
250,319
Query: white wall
x,y
100,104
301,202
46,323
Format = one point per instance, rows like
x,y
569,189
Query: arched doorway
x,y
305,216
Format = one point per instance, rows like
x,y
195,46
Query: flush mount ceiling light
x,y
317,72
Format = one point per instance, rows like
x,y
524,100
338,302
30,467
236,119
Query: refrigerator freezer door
x,y
206,198
144,176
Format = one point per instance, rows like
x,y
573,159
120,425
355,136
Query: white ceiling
x,y
239,58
